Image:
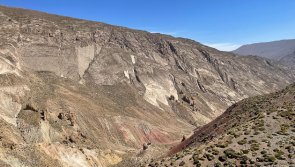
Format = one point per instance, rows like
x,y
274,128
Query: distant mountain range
x,y
282,51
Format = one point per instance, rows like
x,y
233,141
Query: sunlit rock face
x,y
81,93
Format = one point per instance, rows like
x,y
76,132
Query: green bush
x,y
197,163
209,157
243,159
254,147
279,155
222,158
284,129
230,153
217,164
256,133
215,152
228,164
242,142
222,144
263,152
245,151
268,158
252,141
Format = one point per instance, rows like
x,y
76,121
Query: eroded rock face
x,y
92,87
57,122
157,65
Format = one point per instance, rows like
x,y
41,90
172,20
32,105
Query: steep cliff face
x,y
76,88
158,66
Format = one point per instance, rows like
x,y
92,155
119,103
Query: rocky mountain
x,y
83,93
258,131
282,51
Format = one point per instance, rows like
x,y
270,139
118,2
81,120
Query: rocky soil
x,y
258,131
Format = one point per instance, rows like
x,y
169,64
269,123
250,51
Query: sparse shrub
x,y
245,151
196,161
265,140
284,129
263,152
271,110
228,164
256,133
217,164
182,163
290,149
268,158
274,117
243,159
251,161
242,142
235,134
279,154
259,123
222,158
259,159
254,147
215,152
230,153
252,141
222,144
209,157
247,132
286,114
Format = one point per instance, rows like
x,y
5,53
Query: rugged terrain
x,y
258,131
83,93
282,51
53,121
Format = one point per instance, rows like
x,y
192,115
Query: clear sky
x,y
224,24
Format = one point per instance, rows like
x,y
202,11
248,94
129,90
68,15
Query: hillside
x,y
282,51
158,66
257,131
49,120
83,93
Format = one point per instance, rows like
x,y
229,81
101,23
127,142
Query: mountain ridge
x,y
282,51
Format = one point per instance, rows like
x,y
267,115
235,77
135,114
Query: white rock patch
x,y
84,55
7,68
126,73
158,92
133,59
9,109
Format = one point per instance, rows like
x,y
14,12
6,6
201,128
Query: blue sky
x,y
224,24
